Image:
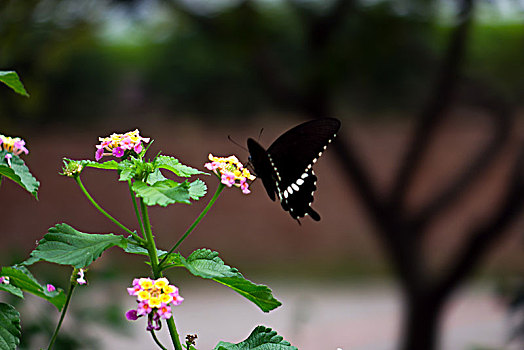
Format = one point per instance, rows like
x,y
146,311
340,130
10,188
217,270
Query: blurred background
x,y
420,196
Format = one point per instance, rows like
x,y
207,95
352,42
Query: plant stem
x,y
196,222
174,334
106,214
137,213
153,334
72,286
157,273
150,240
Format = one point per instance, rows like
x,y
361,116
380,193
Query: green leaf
x,y
162,193
261,338
197,189
12,289
206,264
66,246
174,165
19,173
134,248
155,176
20,277
127,173
10,329
109,165
11,79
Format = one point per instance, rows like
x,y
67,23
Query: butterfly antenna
x,y
236,143
260,134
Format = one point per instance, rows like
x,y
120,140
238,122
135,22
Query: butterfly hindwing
x,y
297,197
286,167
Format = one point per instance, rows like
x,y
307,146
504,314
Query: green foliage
x,y
10,329
12,289
162,193
19,173
197,189
173,165
261,338
12,80
21,278
205,263
109,165
66,246
134,248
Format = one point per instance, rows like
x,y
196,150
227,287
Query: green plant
x,y
151,182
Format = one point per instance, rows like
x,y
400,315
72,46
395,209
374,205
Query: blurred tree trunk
x,y
421,324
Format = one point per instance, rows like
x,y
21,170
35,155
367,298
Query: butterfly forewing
x,y
286,167
302,145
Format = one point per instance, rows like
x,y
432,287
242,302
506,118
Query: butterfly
x,y
286,166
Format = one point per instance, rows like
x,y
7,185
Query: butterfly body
x,y
285,168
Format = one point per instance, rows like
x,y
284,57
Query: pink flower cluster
x,y
230,171
13,145
154,298
118,144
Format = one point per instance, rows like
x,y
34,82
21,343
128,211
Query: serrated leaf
x,y
206,264
11,79
20,277
19,173
262,338
155,176
172,164
12,289
197,189
10,329
134,248
109,165
162,193
127,174
66,246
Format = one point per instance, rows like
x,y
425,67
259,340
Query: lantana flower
x,y
13,145
81,277
230,171
4,280
154,298
118,145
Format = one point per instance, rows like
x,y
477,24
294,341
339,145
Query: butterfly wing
x,y
286,166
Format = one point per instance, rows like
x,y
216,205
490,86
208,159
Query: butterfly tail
x,y
314,215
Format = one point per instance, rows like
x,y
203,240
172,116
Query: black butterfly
x,y
286,167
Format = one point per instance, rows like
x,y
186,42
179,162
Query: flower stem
x,y
195,223
137,213
72,286
150,240
106,214
157,273
153,334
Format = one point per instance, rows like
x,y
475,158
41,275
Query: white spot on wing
x,y
300,182
304,175
295,187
